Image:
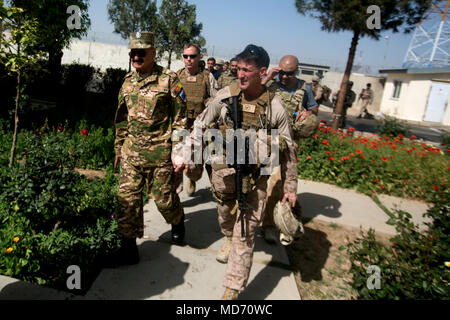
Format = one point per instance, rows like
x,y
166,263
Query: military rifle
x,y
240,168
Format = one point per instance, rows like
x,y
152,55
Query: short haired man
x,y
299,101
150,106
367,98
199,87
229,76
211,62
260,109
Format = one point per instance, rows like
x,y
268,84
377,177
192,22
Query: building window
x,y
308,72
397,89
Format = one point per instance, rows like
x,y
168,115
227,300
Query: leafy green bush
x,y
445,140
391,126
52,217
413,266
392,165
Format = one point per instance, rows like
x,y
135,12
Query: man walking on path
x,y
259,109
150,106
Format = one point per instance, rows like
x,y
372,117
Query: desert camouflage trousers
x,y
241,255
363,111
158,183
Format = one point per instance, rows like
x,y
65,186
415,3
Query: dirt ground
x,y
321,270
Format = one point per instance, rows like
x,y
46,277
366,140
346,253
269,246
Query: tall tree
x,y
177,26
130,16
19,55
55,33
353,16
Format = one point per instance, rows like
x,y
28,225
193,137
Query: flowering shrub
x,y
394,165
414,264
51,216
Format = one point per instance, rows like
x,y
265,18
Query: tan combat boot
x,y
230,294
224,252
190,187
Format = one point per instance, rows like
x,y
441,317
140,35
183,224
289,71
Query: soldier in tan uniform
x,y
228,76
299,101
317,90
150,106
199,86
366,96
259,109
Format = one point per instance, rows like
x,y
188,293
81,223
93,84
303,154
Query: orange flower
x,y
308,157
352,154
16,239
9,250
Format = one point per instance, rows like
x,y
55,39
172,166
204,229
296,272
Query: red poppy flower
x,y
435,187
358,151
376,180
361,156
351,129
384,158
331,158
413,137
327,152
352,154
326,142
308,157
84,132
60,128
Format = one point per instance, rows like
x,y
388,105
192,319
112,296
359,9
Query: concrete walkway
x,y
191,272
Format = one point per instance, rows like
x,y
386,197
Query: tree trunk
x,y
169,60
16,121
348,70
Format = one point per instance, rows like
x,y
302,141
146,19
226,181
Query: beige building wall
x,y
412,102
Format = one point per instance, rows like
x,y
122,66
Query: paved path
x,y
192,273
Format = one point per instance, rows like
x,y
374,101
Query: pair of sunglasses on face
x,y
140,53
286,73
192,56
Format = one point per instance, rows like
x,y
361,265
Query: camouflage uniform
x,y
293,104
150,107
226,79
318,91
350,97
269,106
367,97
198,88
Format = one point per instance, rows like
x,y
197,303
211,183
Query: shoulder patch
x,y
180,92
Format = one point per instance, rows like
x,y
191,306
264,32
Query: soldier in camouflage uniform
x,y
199,86
366,96
299,101
150,106
350,97
317,90
260,109
229,76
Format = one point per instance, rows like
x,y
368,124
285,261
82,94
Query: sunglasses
x,y
139,53
192,56
286,73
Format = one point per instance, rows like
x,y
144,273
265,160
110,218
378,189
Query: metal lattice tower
x,y
430,45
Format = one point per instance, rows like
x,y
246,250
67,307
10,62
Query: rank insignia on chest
x,y
192,79
250,108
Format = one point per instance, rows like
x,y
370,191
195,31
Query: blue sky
x,y
228,26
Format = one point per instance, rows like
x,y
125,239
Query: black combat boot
x,y
127,254
178,232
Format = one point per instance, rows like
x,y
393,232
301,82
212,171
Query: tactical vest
x,y
254,115
292,101
197,90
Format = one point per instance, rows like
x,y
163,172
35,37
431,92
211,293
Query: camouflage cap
x,y
220,62
290,226
141,40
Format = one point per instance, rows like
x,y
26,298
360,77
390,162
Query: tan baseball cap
x,y
141,40
316,78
